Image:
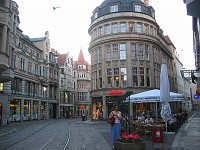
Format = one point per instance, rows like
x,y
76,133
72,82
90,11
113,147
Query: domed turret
x,y
115,6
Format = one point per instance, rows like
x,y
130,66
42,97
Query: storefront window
x,y
97,108
35,109
15,110
27,110
1,87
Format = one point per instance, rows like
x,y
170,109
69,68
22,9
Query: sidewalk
x,y
188,137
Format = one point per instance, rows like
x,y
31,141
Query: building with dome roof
x,y
127,50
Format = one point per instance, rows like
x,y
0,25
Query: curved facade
x,y
127,49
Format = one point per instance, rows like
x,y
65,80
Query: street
x,y
58,134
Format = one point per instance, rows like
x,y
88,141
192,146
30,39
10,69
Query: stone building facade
x,y
127,50
9,21
82,78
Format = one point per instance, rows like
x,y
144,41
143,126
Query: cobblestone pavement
x,y
96,135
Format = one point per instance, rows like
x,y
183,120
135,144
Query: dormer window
x,y
114,8
138,8
95,15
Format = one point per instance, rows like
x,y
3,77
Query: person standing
x,y
116,127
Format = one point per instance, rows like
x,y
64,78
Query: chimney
x,y
146,2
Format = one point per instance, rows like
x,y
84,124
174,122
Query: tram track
x,y
20,140
41,135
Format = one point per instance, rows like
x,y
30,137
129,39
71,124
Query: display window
x,y
35,110
27,110
15,110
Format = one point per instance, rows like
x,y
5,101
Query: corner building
x,y
127,50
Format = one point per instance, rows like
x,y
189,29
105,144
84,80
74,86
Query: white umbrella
x,y
165,94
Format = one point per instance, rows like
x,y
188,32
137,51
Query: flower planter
x,y
129,146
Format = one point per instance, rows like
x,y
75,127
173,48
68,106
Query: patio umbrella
x,y
165,94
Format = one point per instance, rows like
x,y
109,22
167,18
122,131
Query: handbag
x,y
111,120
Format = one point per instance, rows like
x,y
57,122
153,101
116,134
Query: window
x,y
29,67
100,31
148,77
109,81
95,15
133,51
123,77
146,28
109,71
139,27
135,78
147,52
123,27
99,54
115,52
107,29
22,64
1,87
141,52
115,28
155,54
116,71
122,48
138,8
131,27
108,53
141,72
114,8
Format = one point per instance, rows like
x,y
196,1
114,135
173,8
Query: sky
x,y
68,25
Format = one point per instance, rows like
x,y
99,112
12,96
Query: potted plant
x,y
129,142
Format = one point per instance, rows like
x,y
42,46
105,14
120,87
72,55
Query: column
x,y
31,111
22,110
131,109
46,110
23,86
39,110
105,113
129,65
4,39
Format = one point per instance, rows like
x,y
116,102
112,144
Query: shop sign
x,y
115,92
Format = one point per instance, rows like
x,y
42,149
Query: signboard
x,y
115,92
196,96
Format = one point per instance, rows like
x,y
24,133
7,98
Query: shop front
x,y
42,110
27,110
52,110
15,111
66,111
97,108
35,110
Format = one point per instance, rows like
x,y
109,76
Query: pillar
x,y
4,39
105,110
22,110
131,109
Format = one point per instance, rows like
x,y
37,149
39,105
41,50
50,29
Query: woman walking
x,y
116,127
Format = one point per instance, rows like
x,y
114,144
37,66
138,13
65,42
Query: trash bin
x,y
158,134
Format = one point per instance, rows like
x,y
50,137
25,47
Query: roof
x,y
62,58
38,39
123,6
168,40
108,2
81,57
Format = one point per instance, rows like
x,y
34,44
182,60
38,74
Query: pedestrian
x,y
116,127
